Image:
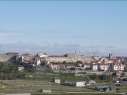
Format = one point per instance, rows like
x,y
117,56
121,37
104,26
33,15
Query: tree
x,y
8,71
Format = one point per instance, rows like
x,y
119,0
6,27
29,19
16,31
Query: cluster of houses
x,y
67,62
83,63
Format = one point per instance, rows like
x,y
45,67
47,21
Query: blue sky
x,y
64,23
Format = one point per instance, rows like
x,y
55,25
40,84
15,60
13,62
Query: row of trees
x,y
10,71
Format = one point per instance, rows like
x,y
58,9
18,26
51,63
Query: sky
x,y
63,25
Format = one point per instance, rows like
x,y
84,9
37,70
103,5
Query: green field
x,y
31,86
33,83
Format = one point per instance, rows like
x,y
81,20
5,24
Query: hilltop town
x,y
67,62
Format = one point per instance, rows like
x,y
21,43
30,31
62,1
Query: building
x,y
69,83
119,67
104,88
54,66
27,58
104,67
57,81
80,83
95,67
75,83
42,55
92,82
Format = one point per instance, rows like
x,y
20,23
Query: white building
x,y
81,84
119,67
60,59
38,62
42,55
54,66
95,67
58,81
104,67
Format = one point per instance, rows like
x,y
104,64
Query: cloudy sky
x,y
63,25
